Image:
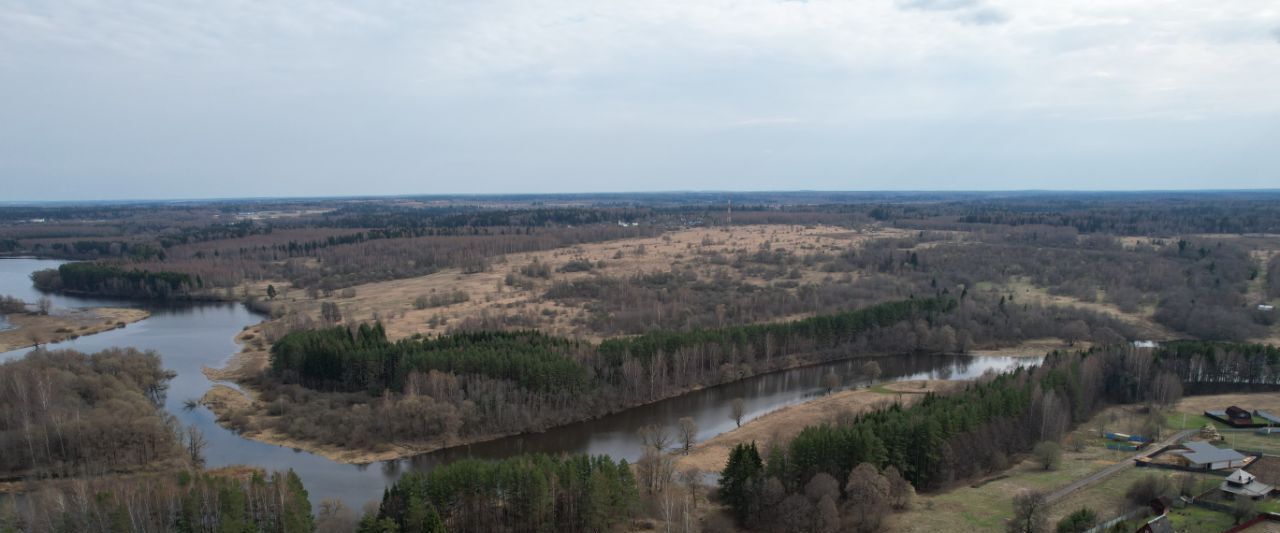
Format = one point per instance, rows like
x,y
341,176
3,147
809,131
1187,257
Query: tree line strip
x,y
364,359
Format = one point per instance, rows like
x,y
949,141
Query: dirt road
x,y
1114,469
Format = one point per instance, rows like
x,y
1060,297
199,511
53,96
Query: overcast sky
x,y
182,99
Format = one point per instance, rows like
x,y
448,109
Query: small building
x,y
1244,484
1205,456
1236,416
1266,307
1144,344
1159,524
1125,437
1239,416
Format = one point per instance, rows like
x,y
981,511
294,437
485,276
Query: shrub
x,y
576,265
1078,522
1148,488
1048,454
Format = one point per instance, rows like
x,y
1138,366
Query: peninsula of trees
x,y
471,385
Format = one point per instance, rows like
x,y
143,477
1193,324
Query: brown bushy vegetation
x,y
66,413
222,500
9,304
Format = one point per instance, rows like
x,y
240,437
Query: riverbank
x,y
31,329
238,407
1031,348
251,361
225,401
785,423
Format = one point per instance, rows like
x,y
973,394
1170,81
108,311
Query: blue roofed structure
x,y
1270,418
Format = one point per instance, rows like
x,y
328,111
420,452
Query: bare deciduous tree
x,y
1030,513
655,436
830,381
828,519
334,517
1048,454
1166,390
871,369
822,484
1054,416
654,471
867,493
688,433
692,481
195,444
737,410
330,312
901,493
1244,509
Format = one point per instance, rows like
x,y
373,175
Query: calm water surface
x,y
191,336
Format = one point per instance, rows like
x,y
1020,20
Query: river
x,y
191,336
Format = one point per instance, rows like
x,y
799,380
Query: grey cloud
x,y
628,95
937,5
965,11
984,17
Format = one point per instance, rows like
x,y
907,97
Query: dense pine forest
x,y
339,243
109,280
364,360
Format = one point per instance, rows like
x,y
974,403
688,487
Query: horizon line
x,y
480,195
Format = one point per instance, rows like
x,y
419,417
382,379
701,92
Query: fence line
x,y
1137,512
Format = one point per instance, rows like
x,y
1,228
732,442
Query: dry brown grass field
x,y
1141,320
28,329
393,301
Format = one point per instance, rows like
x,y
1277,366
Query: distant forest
x,y
1185,255
226,242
